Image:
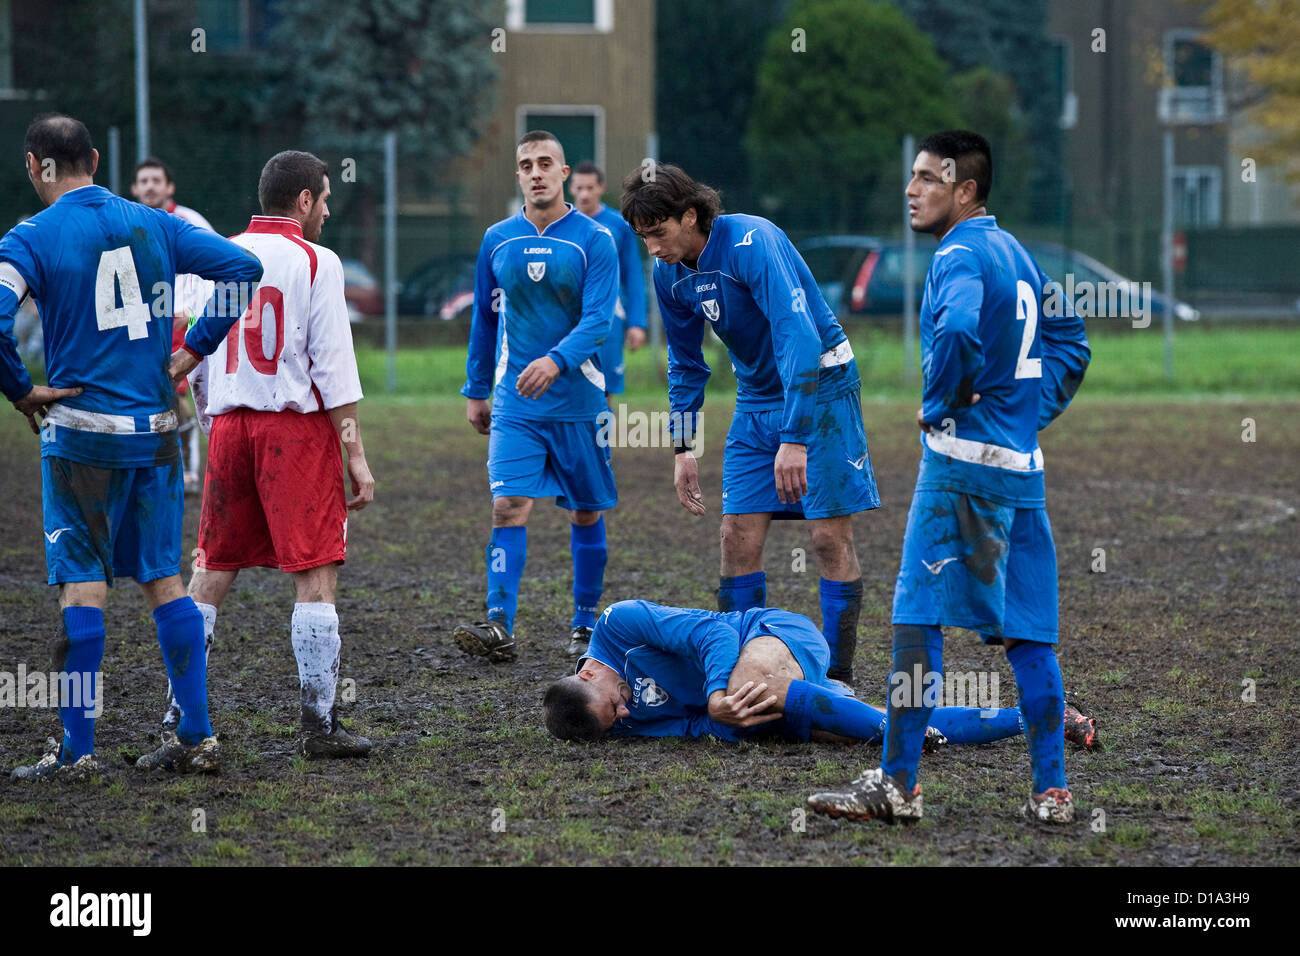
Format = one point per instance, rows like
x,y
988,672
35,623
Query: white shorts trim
x,y
842,354
983,453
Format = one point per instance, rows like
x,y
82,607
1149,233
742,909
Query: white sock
x,y
209,625
315,634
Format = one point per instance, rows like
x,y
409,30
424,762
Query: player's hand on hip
x,y
791,471
479,414
534,380
363,484
748,706
686,479
182,364
926,426
634,339
38,402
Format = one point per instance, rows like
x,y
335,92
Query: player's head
x,y
297,185
58,152
670,211
585,705
540,168
587,186
153,184
951,178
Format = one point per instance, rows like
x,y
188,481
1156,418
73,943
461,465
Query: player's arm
x,y
480,361
688,373
1065,357
956,354
632,283
206,254
334,371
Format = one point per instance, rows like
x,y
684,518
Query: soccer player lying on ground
x,y
655,671
796,447
274,494
978,550
545,288
112,491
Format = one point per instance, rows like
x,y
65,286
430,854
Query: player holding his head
x,y
978,551
544,294
110,463
796,447
153,186
587,185
655,671
281,391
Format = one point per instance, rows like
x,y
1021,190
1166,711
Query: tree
x,y
1263,38
986,102
827,124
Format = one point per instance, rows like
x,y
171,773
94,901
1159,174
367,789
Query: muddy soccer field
x,y
1183,648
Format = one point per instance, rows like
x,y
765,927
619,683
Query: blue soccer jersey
x,y
983,332
101,269
752,287
631,296
542,293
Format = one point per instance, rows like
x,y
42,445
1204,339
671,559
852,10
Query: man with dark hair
x,y
628,328
275,495
796,447
153,186
544,292
655,671
110,462
978,551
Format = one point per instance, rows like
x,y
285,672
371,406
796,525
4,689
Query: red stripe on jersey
x,y
280,224
306,247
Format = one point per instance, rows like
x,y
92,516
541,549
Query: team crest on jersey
x,y
647,692
536,270
711,310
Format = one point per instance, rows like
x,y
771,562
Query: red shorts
x,y
273,495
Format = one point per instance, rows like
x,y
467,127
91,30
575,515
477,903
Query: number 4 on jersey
x,y
117,271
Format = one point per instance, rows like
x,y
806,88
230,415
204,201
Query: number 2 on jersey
x,y
1027,312
117,271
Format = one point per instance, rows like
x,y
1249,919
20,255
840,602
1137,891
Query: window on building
x,y
560,16
1197,191
580,130
1193,91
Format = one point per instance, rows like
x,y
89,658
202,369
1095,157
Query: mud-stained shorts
x,y
273,494
969,562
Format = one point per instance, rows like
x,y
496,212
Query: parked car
x,y
863,275
442,287
362,290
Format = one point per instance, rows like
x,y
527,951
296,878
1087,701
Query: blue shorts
x,y
802,638
840,479
540,459
102,523
968,562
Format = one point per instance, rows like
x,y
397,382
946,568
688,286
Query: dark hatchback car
x,y
441,288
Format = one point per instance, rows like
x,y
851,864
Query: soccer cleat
x,y
49,767
934,739
579,640
1053,806
872,796
179,757
327,737
488,639
1081,730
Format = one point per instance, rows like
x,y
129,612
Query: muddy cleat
x,y
579,639
488,639
179,757
1053,806
872,796
934,739
1081,730
49,767
327,737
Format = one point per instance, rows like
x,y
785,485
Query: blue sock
x,y
841,605
1042,703
915,682
587,542
180,633
810,707
742,592
505,556
968,725
85,652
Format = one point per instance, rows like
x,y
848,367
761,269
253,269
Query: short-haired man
x,y
978,551
587,185
796,447
112,495
279,404
655,671
544,293
153,185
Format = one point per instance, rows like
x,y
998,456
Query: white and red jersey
x,y
192,292
291,350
